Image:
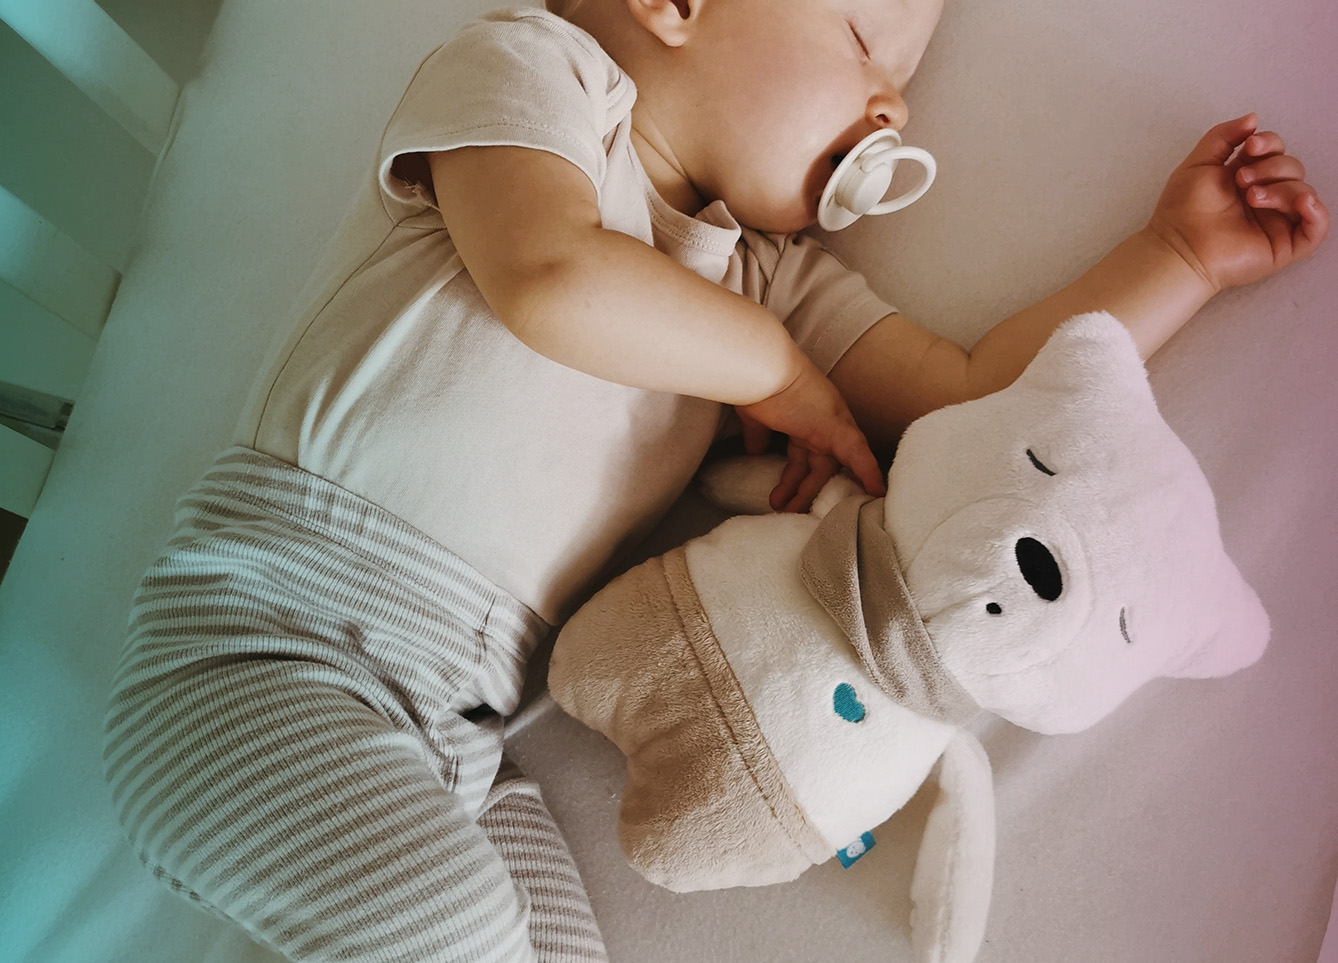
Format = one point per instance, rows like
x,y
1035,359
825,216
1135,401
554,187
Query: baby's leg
x,y
298,735
265,791
562,927
268,793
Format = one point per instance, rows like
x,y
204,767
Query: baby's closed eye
x,y
858,38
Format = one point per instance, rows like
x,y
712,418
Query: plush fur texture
x,y
1059,547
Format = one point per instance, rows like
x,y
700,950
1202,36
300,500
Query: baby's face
x,y
787,87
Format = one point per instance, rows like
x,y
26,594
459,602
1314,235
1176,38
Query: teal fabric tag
x,y
855,850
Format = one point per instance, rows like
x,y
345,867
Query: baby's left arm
x,y
1235,211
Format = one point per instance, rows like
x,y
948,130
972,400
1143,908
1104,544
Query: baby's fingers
x,y
796,470
1314,226
1218,144
852,450
756,436
806,471
1301,221
1283,197
1265,143
821,469
1270,170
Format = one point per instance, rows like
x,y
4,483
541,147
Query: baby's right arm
x,y
527,226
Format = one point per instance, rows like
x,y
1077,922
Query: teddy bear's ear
x,y
1236,634
1094,354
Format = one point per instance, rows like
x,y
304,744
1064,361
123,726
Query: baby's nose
x,y
887,110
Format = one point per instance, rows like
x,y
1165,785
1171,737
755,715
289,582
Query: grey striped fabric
x,y
305,735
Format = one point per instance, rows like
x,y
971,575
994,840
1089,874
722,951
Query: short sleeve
x,y
519,78
824,305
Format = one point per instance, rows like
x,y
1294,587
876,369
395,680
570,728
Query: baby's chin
x,y
788,218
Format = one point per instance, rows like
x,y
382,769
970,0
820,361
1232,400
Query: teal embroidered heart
x,y
847,704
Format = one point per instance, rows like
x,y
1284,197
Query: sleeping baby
x,y
576,248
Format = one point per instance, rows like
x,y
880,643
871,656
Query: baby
x,y
576,249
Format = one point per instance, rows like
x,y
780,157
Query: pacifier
x,y
862,178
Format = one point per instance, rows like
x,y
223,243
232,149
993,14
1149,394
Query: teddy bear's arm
x,y
954,872
743,485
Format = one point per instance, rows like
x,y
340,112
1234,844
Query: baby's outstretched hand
x,y
1238,208
822,434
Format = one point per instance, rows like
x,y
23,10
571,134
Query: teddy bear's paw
x,y
954,870
837,489
742,484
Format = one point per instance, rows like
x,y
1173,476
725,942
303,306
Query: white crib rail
x,y
83,43
58,273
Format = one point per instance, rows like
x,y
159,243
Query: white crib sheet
x,y
1197,824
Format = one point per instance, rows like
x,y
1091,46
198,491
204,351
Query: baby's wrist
x,y
1175,252
789,369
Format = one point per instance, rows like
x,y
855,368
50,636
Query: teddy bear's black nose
x,y
1039,568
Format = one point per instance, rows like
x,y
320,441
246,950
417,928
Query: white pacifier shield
x,y
862,178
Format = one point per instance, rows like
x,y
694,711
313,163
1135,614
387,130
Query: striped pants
x,y
304,734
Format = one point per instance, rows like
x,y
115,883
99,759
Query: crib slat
x,y
81,41
55,272
25,466
42,352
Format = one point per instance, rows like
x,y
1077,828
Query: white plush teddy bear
x,y
783,684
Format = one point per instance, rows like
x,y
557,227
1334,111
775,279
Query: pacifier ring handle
x,y
864,175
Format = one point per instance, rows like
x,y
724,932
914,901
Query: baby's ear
x,y
672,21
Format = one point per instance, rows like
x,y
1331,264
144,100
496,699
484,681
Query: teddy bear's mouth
x,y
1124,628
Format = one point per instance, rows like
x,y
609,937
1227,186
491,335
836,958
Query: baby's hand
x,y
1238,216
822,434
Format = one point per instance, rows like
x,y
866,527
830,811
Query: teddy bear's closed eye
x,y
1037,463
